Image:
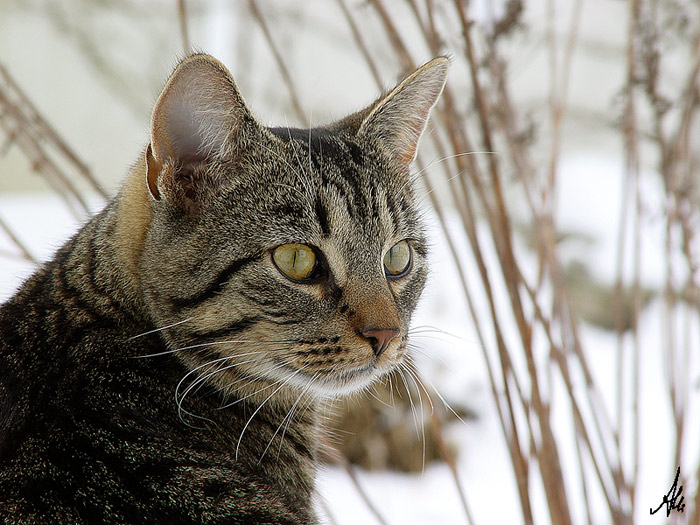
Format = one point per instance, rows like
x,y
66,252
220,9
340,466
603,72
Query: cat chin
x,y
342,384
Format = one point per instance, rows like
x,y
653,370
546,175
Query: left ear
x,y
199,114
398,118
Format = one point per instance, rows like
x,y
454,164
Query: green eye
x,y
296,261
398,259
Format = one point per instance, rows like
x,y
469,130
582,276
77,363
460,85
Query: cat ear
x,y
398,118
198,114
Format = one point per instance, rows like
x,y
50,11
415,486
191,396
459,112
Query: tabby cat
x,y
167,365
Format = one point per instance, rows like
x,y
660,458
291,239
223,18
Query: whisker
x,y
202,379
454,156
423,329
288,418
413,373
391,392
447,405
416,349
410,399
436,391
159,329
179,398
415,176
372,391
276,382
214,343
284,383
301,415
414,378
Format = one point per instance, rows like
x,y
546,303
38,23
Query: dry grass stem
x,y
279,60
349,469
360,43
184,33
24,252
20,117
447,456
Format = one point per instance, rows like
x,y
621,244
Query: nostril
x,y
380,338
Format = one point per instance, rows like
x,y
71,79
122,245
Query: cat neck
x,y
132,215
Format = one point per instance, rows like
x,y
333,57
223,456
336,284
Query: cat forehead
x,y
348,184
337,146
315,187
328,158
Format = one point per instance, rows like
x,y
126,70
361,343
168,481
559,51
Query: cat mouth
x,y
357,373
335,382
348,381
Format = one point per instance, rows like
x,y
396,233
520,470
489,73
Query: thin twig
x,y
18,129
550,468
286,77
407,63
336,455
360,42
184,34
45,132
25,253
632,167
442,446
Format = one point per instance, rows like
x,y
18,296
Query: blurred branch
x,y
436,423
550,468
559,88
407,63
360,42
25,127
339,458
25,254
79,21
23,117
279,60
632,198
182,16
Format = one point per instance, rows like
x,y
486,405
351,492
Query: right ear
x,y
199,114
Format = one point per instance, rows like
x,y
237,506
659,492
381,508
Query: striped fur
x,y
161,369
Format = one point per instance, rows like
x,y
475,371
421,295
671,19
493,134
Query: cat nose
x,y
379,338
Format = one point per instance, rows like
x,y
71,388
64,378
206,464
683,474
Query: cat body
x,y
167,365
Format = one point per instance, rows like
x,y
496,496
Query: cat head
x,y
287,257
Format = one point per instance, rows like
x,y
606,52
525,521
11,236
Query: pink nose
x,y
380,338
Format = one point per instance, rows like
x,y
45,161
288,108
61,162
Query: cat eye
x,y
296,261
397,260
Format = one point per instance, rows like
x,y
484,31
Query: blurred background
x,y
555,369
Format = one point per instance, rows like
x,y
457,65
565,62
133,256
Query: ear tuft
x,y
398,118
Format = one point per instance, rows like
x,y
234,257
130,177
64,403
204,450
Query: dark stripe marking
x,y
228,331
326,350
215,287
322,217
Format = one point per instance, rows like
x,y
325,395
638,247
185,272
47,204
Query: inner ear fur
x,y
398,118
199,114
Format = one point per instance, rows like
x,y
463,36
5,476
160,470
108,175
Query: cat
x,y
167,365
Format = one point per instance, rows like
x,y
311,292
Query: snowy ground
x,y
484,467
